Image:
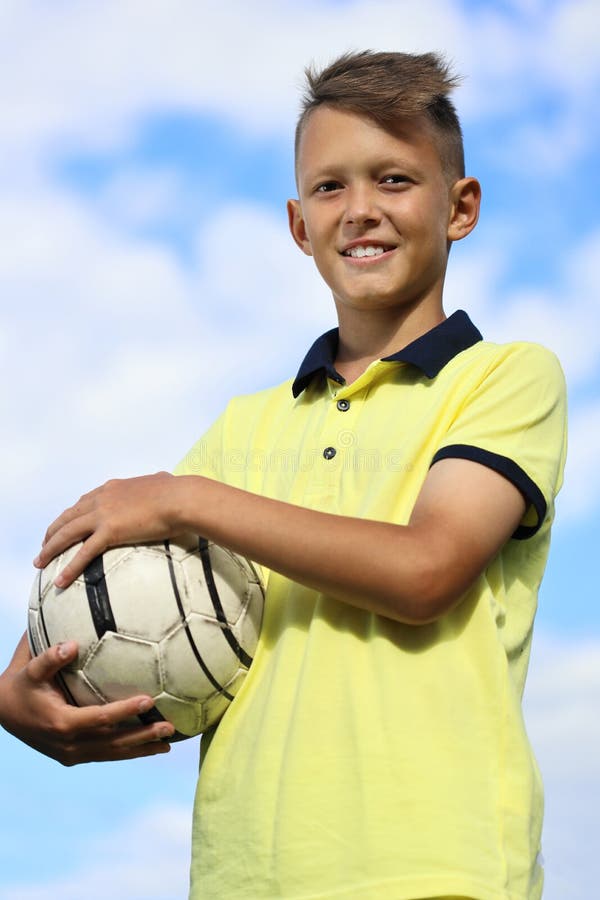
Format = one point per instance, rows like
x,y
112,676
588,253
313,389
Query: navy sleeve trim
x,y
510,470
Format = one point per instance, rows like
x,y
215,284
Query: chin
x,y
373,300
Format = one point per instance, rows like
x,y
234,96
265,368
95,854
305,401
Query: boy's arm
x,y
35,711
465,512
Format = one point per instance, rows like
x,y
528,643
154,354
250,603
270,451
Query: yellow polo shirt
x,y
364,758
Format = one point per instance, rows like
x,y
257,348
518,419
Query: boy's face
x,y
377,211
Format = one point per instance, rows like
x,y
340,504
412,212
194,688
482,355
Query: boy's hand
x,y
34,710
122,511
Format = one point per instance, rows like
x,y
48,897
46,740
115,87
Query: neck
x,y
365,337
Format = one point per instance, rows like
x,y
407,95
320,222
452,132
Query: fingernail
x,y
164,731
36,562
145,705
60,581
64,650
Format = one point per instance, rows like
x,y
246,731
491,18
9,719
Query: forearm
x,y
376,566
412,573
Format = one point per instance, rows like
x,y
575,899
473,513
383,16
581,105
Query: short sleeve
x,y
206,456
514,421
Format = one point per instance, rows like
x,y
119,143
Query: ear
x,y
298,227
465,197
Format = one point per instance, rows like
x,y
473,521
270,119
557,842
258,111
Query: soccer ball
x,y
178,620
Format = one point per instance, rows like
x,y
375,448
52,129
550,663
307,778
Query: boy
x,y
399,493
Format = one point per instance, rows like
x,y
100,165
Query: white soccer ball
x,y
178,620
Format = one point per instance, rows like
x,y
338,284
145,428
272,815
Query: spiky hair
x,y
387,88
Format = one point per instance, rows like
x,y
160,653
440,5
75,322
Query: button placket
x,y
343,405
340,430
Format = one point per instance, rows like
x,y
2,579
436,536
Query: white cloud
x,y
145,858
89,74
562,698
258,278
127,58
582,476
17,580
60,259
140,195
553,146
565,318
573,37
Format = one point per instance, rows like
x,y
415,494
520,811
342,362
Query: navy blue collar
x,y
430,352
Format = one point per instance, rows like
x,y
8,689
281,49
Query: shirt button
x,y
329,452
343,405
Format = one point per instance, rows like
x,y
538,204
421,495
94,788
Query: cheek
x,y
433,229
319,242
311,241
428,214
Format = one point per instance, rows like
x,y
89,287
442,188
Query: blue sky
x,y
147,275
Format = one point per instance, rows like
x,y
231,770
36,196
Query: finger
x,y
122,736
108,715
94,546
45,666
136,737
103,753
153,749
116,743
102,717
73,531
74,750
71,512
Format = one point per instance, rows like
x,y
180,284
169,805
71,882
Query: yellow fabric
x,y
365,758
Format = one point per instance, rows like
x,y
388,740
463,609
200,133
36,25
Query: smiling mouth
x,y
368,250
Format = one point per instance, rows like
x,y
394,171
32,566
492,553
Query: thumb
x,y
45,666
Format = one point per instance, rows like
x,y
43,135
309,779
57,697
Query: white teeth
x,y
359,252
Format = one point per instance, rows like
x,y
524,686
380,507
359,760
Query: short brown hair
x,y
388,87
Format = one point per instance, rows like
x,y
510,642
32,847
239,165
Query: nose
x,y
361,207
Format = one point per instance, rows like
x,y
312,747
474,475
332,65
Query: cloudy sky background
x,y
146,275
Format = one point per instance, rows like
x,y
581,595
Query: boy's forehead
x,y
327,129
